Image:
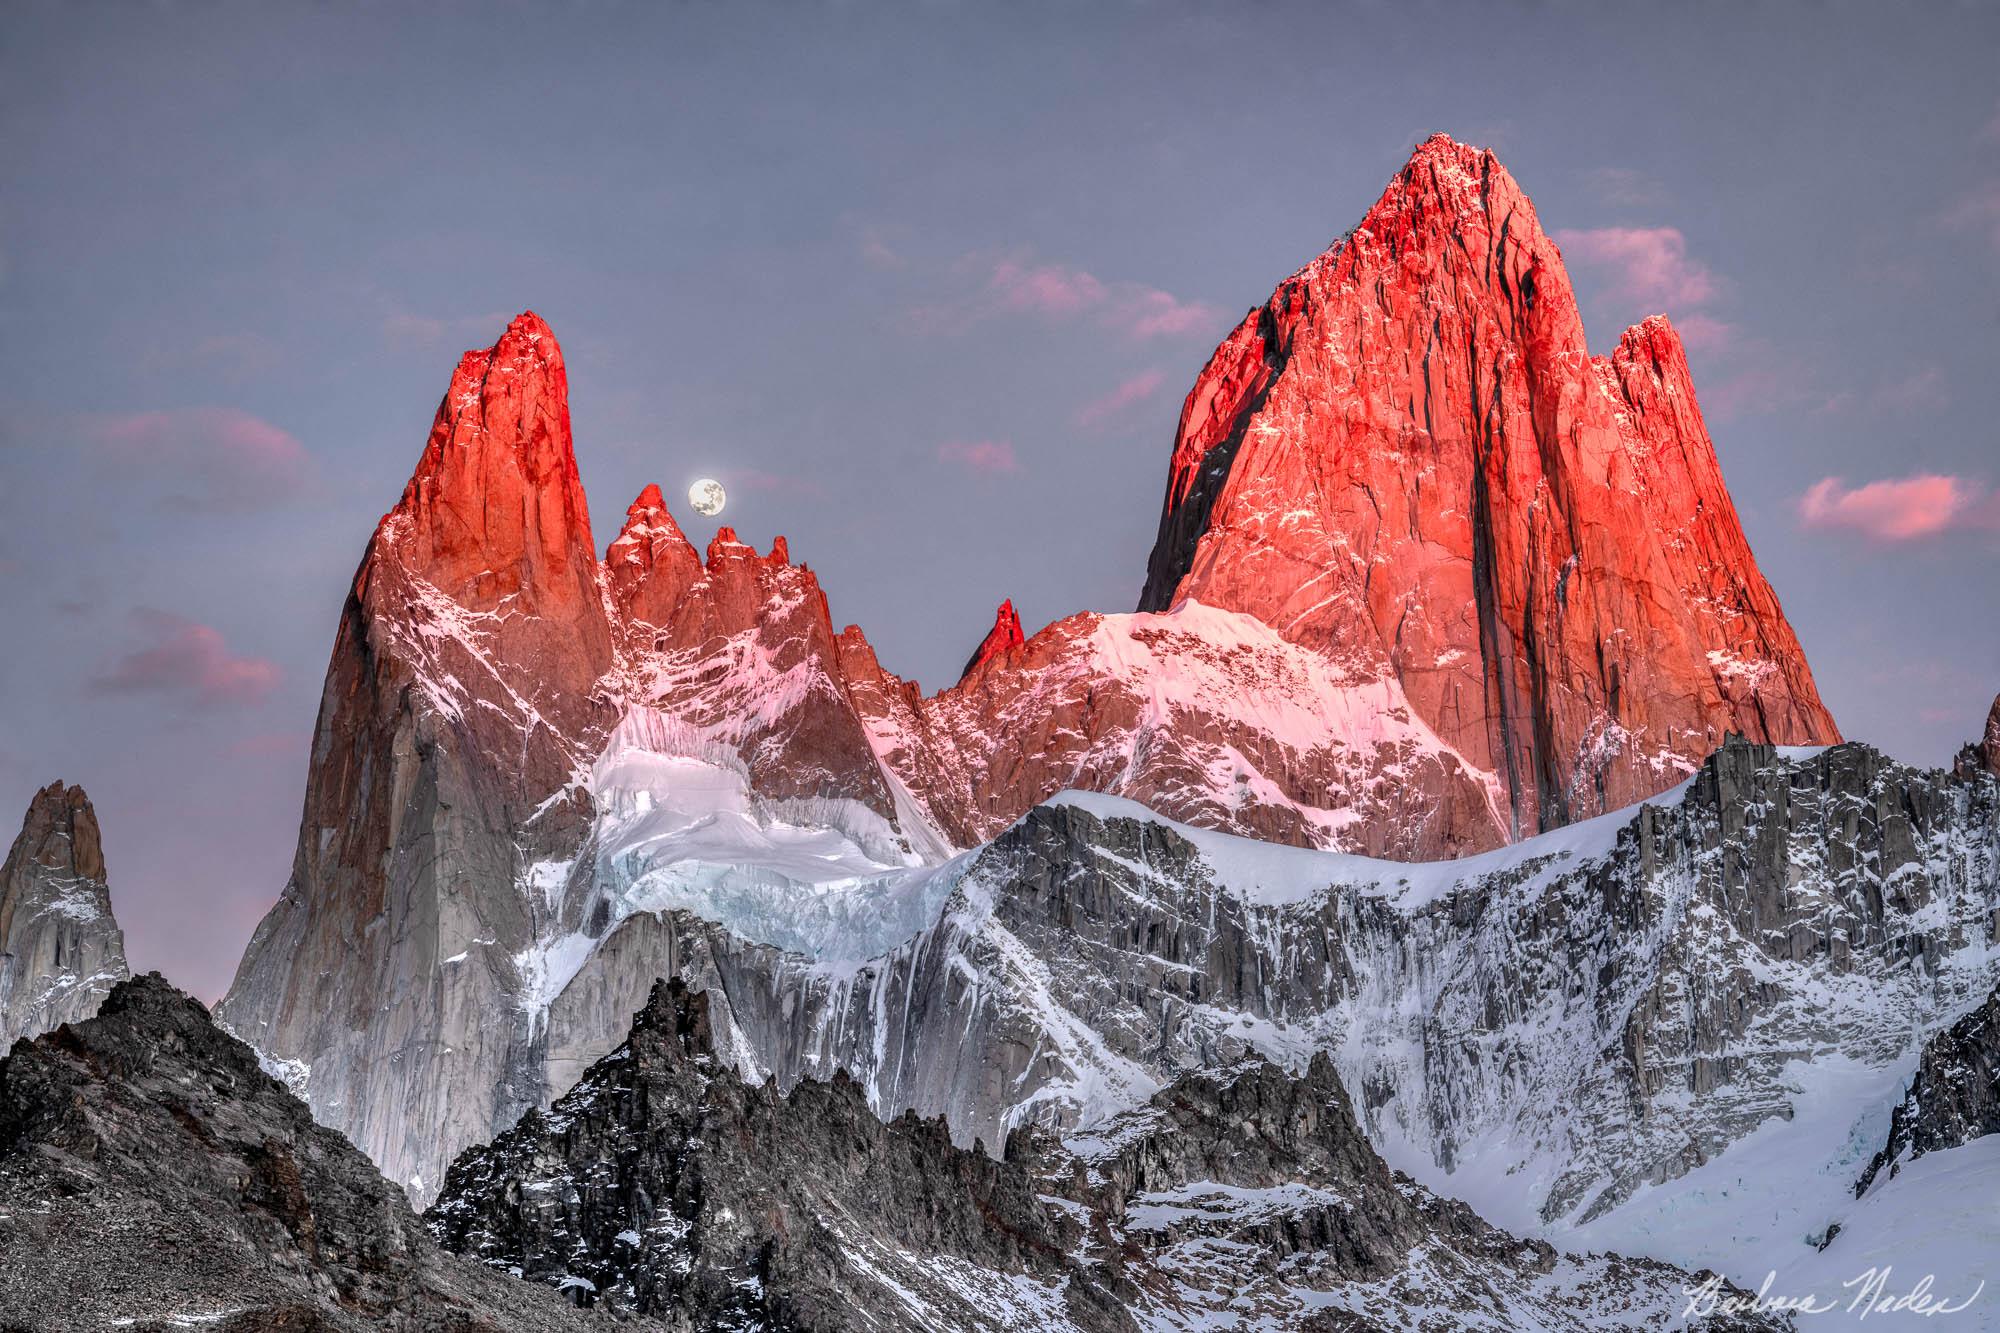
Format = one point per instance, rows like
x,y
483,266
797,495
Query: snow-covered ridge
x,y
1587,1035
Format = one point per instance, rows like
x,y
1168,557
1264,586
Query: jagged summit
x,y
651,563
1407,460
1005,634
60,947
495,506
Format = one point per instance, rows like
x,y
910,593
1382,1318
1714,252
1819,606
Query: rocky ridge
x,y
663,1184
60,947
1983,755
1954,1097
152,1176
1663,975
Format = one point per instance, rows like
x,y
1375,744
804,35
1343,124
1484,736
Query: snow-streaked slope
x,y
1603,1036
1938,1219
1208,715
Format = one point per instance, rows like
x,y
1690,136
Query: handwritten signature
x,y
1871,1295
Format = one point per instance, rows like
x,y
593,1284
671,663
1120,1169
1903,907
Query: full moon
x,y
707,496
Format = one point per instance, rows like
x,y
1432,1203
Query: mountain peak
x,y
651,563
1408,461
495,508
60,946
61,828
1005,634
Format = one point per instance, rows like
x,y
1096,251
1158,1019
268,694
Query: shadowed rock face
x,y
1983,755
1408,459
668,1185
664,1184
152,1172
460,704
60,948
1954,1097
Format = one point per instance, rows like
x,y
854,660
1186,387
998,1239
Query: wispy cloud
x,y
989,457
1044,289
188,662
404,329
1921,391
1015,284
1641,271
206,459
1904,509
1646,266
1129,393
1977,211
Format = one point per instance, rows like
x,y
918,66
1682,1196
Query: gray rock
x,y
1623,1001
60,948
664,1184
151,1172
1954,1097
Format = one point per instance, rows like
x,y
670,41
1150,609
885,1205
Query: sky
x,y
924,285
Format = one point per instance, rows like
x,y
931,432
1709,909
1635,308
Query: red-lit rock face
x,y
1408,461
739,650
1005,634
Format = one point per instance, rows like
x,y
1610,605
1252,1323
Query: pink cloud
x,y
991,457
403,329
1900,510
1013,285
205,458
189,661
1045,289
877,251
1705,333
1147,312
1646,266
1128,394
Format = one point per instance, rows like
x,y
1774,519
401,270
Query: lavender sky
x,y
925,286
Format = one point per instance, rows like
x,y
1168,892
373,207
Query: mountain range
x,y
1457,790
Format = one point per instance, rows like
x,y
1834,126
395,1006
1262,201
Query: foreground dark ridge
x,y
664,1184
153,1176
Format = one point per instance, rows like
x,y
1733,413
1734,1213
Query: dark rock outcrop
x,y
1954,1097
153,1176
664,1184
1983,755
60,948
